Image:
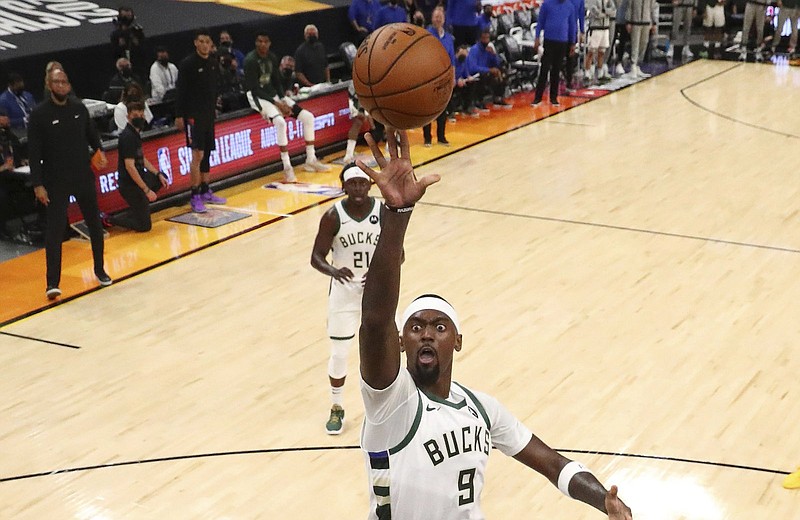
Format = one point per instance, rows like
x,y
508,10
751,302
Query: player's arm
x,y
328,226
581,485
379,342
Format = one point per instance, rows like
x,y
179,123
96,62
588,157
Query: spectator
x,y
755,12
134,170
558,20
580,30
788,11
358,116
640,20
120,80
362,16
622,37
127,40
411,8
600,15
461,14
59,134
231,92
17,102
714,23
163,75
226,44
311,60
132,93
465,89
266,94
446,39
483,60
288,77
418,19
485,18
682,14
8,188
391,13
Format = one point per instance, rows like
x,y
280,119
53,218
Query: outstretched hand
x,y
616,508
396,180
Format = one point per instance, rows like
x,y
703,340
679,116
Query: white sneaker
x,y
759,55
315,166
641,74
687,52
743,55
670,52
619,70
604,72
289,176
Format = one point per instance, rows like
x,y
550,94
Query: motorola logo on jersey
x,y
456,442
373,219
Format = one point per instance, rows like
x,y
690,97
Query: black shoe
x,y
52,292
536,102
104,279
555,103
427,144
444,142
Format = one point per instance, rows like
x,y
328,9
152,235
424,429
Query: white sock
x,y
287,164
337,396
311,155
351,148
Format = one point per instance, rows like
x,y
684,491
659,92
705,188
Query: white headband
x,y
354,172
434,303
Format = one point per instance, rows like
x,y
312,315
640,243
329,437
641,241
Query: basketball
x,y
402,76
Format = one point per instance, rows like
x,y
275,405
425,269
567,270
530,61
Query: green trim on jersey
x,y
365,216
413,430
478,404
437,399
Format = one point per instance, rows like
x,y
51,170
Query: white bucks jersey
x,y
436,470
354,243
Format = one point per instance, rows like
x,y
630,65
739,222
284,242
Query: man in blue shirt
x,y
485,18
461,14
390,13
362,15
483,60
446,39
17,101
580,29
558,20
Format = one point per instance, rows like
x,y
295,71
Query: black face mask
x,y
461,58
124,20
138,122
125,71
58,97
163,61
419,21
287,73
312,39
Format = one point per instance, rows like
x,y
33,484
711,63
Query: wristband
x,y
404,209
567,472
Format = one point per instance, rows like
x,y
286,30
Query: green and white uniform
x,y
426,456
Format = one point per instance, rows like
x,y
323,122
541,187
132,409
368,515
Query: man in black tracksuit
x,y
60,134
195,110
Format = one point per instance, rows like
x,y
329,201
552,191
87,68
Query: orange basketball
x,y
402,76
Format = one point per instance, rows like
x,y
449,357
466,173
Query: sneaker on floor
x,y
315,166
289,176
604,72
536,102
52,293
210,198
104,279
197,204
759,57
619,70
555,102
641,74
335,423
427,144
687,53
670,52
444,142
792,480
743,56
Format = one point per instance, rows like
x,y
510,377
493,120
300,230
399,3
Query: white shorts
x,y
598,39
714,16
344,309
268,110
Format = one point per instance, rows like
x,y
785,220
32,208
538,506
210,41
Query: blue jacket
x,y
461,12
462,69
580,12
390,14
18,108
483,22
363,12
557,19
447,40
480,60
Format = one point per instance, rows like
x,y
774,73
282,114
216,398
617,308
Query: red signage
x,y
243,144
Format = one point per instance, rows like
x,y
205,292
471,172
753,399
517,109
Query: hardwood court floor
x,y
626,273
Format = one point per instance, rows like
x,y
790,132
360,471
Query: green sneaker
x,y
335,423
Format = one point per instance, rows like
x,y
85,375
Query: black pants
x,y
464,97
441,122
492,85
572,64
553,57
137,216
85,194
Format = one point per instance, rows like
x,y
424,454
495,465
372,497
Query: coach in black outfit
x,y
195,108
131,166
60,134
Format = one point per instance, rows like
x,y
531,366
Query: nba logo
x,y
164,164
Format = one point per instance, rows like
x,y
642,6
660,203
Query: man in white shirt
x,y
427,438
163,75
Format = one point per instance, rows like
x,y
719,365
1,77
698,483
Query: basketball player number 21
x,y
466,486
361,259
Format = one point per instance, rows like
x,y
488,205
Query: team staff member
x,y
195,108
131,165
60,134
412,412
349,230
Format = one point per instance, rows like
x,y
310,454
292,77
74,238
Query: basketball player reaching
x,y
427,438
349,230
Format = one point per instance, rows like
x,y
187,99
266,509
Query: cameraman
x,y
127,40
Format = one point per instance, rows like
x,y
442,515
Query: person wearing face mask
x,y
418,19
311,60
226,44
163,75
390,13
17,101
465,91
132,92
483,60
60,133
120,80
134,169
288,78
